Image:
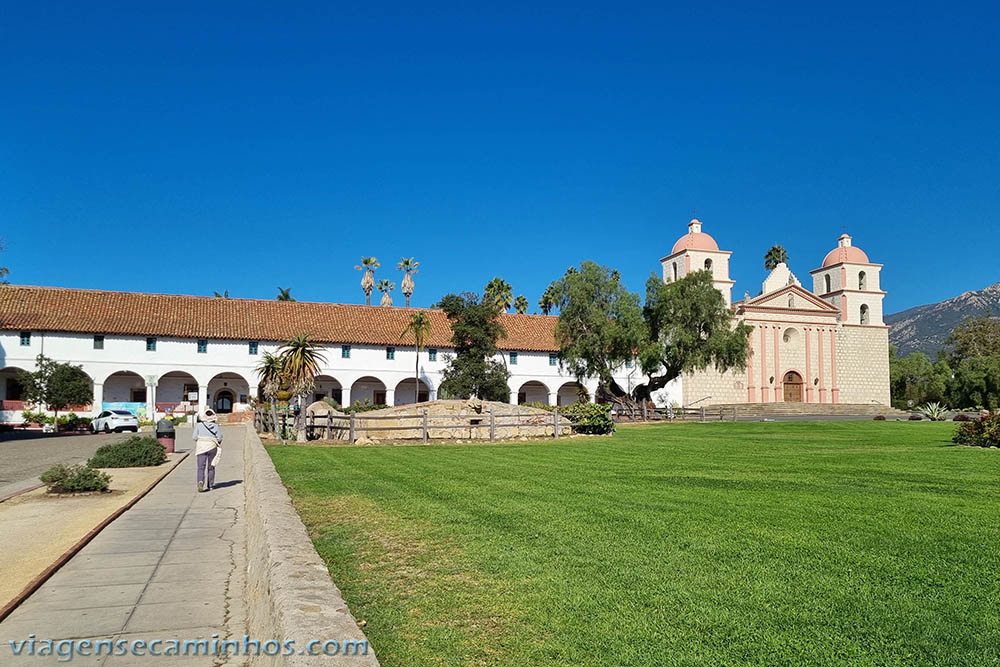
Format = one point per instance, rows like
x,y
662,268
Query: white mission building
x,y
152,352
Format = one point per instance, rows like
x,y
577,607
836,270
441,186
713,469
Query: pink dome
x,y
845,252
695,239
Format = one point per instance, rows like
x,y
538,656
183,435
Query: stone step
x,y
786,409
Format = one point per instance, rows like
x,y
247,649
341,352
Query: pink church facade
x,y
824,345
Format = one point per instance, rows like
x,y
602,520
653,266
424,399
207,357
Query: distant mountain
x,y
925,328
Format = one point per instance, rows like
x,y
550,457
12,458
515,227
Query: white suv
x,y
115,420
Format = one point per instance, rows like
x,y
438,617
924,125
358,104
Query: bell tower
x,y
698,251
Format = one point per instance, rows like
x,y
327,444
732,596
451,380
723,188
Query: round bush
x,y
74,479
136,452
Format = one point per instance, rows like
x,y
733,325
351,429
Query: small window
x,y
253,348
432,354
513,358
345,351
553,358
150,345
629,363
390,353
25,338
98,342
708,264
791,301
675,271
862,281
202,346
826,283
864,314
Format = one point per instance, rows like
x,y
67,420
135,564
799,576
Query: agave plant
x,y
933,411
368,265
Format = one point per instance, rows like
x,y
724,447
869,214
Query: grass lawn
x,y
760,543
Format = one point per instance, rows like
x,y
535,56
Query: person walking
x,y
208,446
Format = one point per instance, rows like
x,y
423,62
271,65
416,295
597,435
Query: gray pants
x,y
205,461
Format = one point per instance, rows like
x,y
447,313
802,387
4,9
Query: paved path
x,y
170,567
24,456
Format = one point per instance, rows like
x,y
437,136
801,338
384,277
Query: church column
x,y
835,390
778,394
819,354
809,381
764,395
390,397
513,396
751,394
98,404
202,398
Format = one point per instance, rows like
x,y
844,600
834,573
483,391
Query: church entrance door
x,y
792,384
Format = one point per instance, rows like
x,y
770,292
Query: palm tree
x,y
300,364
548,300
4,271
385,287
408,267
420,327
499,292
520,305
776,255
284,294
271,378
368,265
225,295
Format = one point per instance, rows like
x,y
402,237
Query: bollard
x,y
555,423
425,425
352,429
493,426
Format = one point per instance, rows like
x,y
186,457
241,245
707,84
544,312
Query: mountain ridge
x,y
925,328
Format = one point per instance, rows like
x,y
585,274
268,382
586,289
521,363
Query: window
x,y
864,314
791,301
675,271
25,338
708,264
98,342
202,346
253,350
629,363
432,354
345,351
862,280
553,358
513,358
826,283
150,345
390,353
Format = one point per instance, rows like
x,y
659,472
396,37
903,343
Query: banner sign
x,y
138,409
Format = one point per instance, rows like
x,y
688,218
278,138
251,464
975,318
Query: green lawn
x,y
755,543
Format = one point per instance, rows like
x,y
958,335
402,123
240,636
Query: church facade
x,y
827,344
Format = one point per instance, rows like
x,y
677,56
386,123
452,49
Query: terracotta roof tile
x,y
139,314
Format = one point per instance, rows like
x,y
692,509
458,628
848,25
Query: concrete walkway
x,y
171,567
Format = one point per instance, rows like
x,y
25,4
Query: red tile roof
x,y
30,308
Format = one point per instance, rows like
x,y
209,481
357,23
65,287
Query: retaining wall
x,y
289,591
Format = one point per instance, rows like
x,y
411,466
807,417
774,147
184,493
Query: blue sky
x,y
188,148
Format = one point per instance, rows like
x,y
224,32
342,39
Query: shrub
x,y
72,421
332,403
363,407
135,452
915,418
982,432
594,418
879,418
962,417
74,479
30,417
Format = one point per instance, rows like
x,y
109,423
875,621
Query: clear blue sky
x,y
197,147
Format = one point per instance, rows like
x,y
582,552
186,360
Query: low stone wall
x,y
465,420
289,591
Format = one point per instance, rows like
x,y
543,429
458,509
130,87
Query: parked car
x,y
115,420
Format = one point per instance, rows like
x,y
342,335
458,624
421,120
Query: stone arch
x,y
368,388
173,388
790,336
125,390
404,394
675,272
827,284
865,314
533,391
11,391
708,264
571,392
228,392
327,386
862,280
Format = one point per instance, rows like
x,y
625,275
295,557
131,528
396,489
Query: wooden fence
x,y
643,413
